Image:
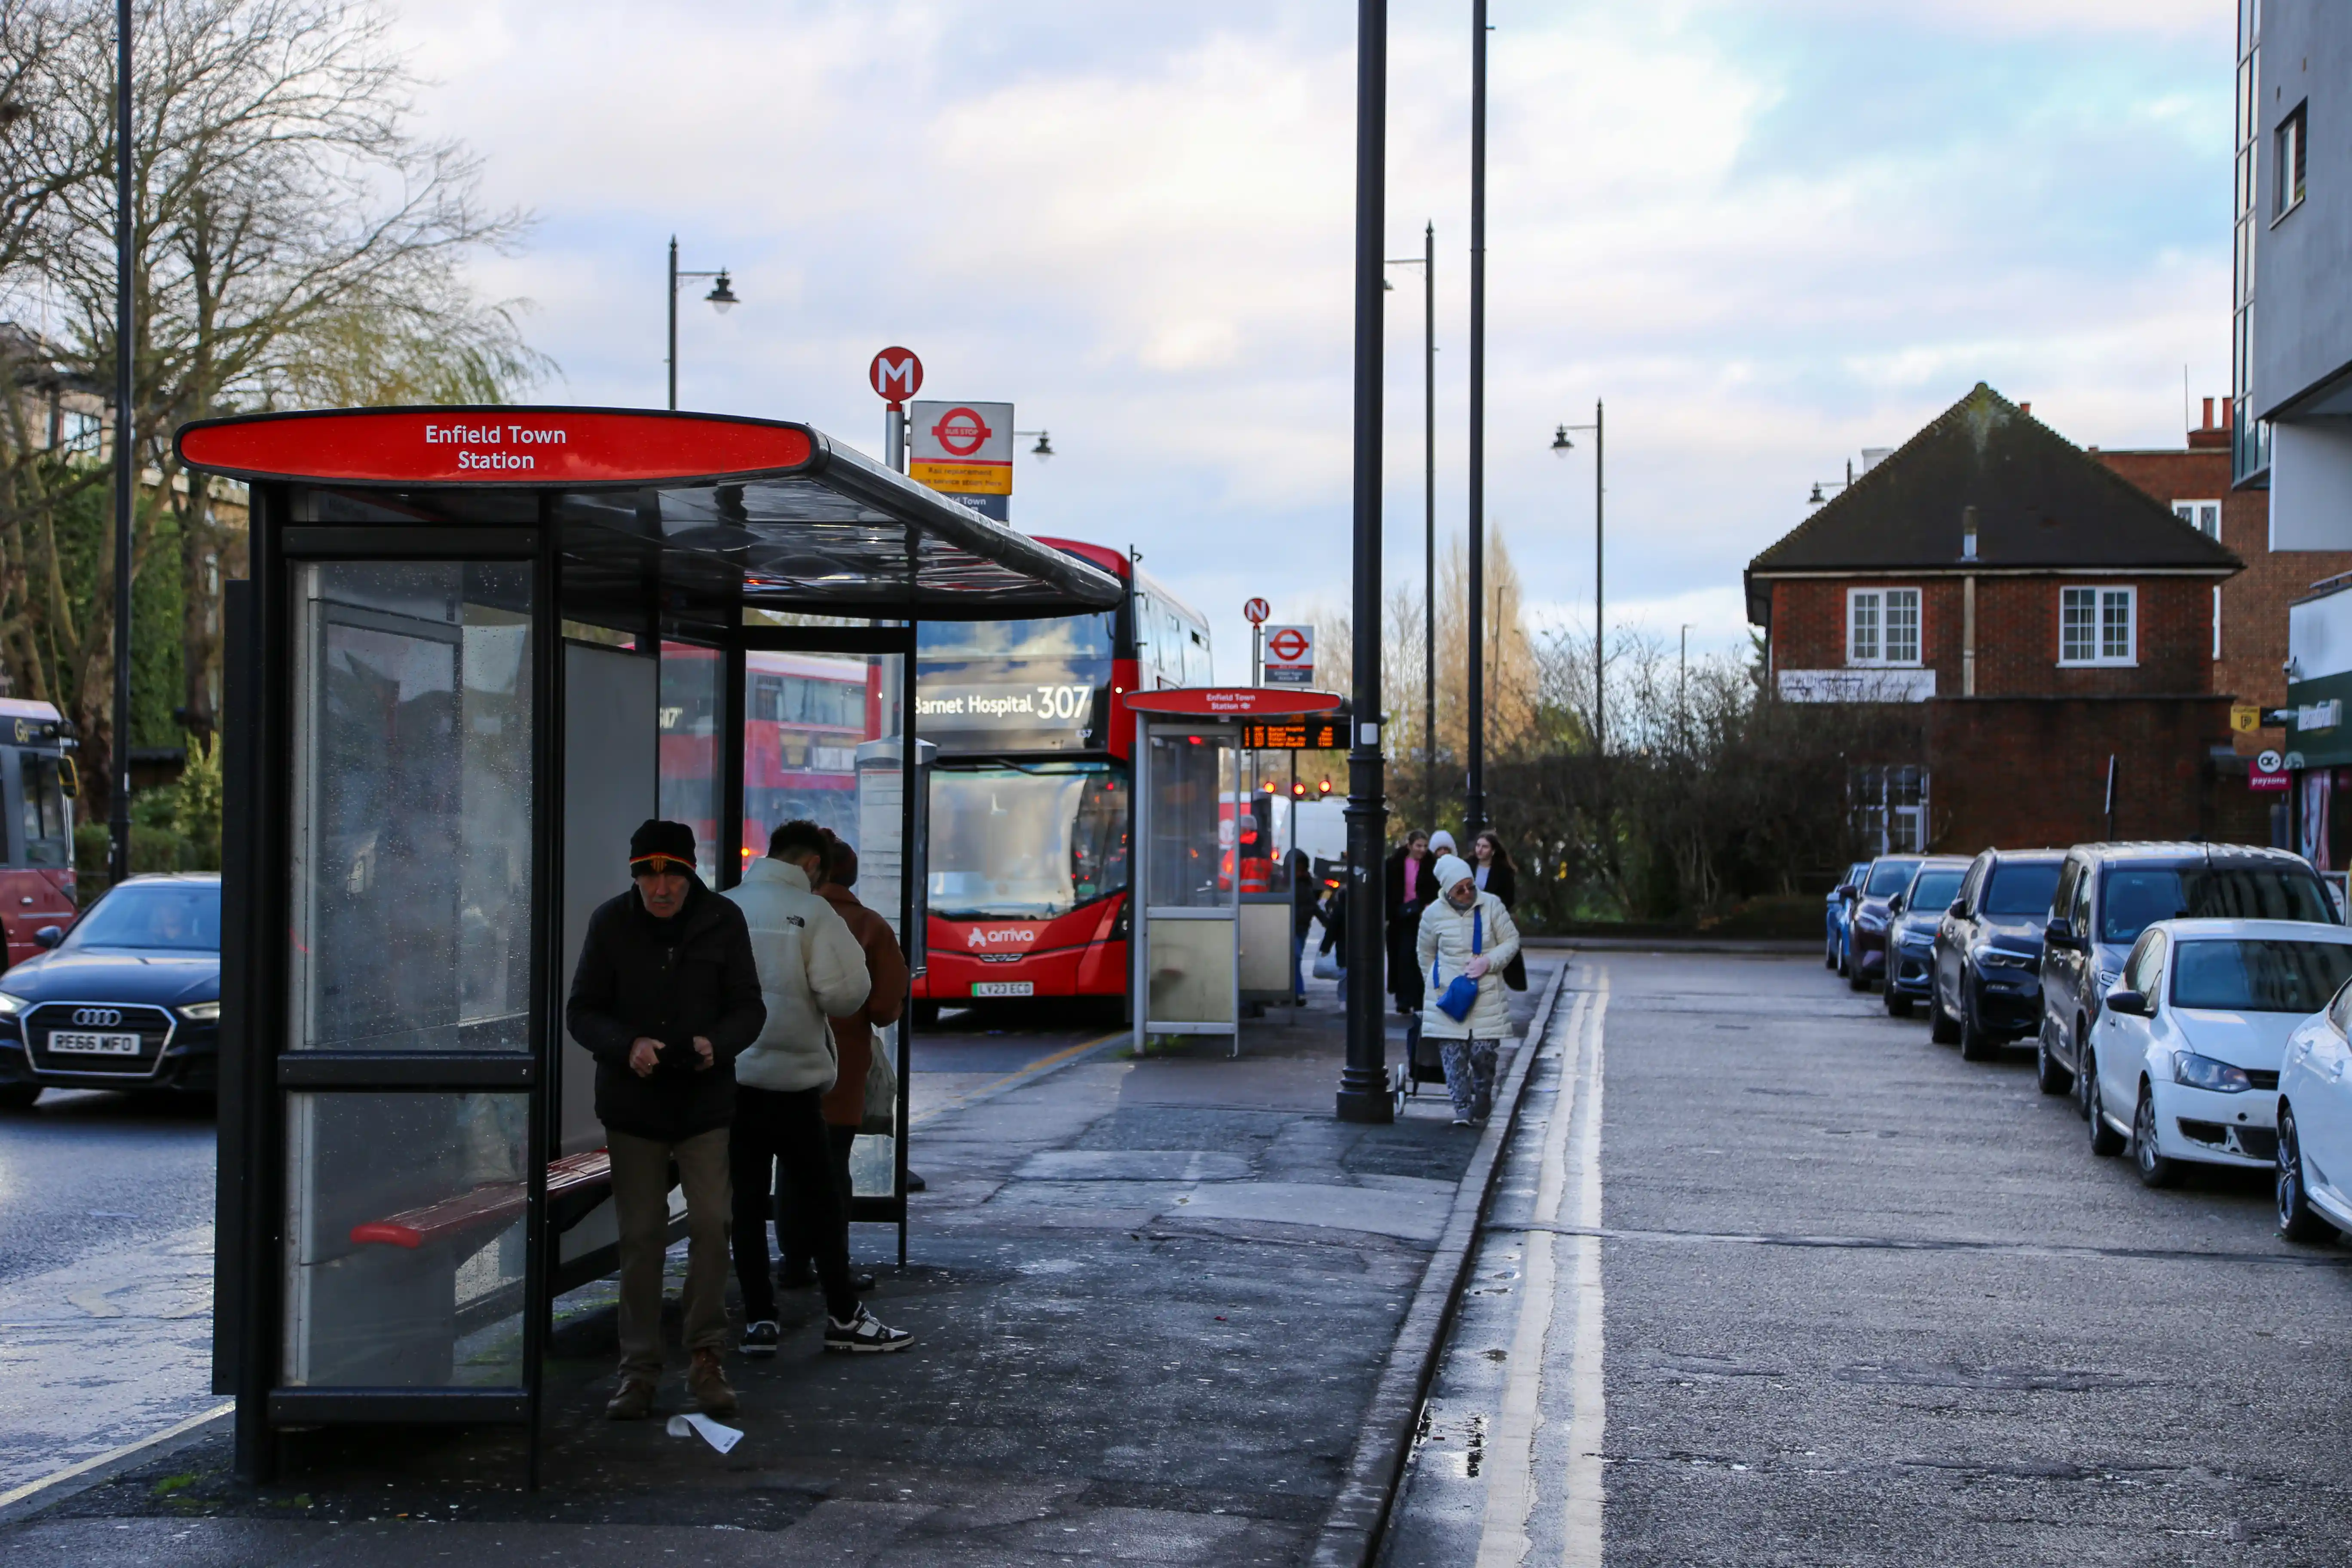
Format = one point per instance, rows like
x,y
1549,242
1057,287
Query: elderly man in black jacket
x,y
665,995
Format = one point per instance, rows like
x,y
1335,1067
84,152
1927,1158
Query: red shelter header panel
x,y
494,445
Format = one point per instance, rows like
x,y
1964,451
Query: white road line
x,y
54,1478
1581,1547
1510,1464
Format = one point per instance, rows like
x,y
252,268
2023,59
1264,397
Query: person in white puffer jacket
x,y
1465,931
811,970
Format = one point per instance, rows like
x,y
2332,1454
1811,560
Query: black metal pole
x,y
1429,524
126,472
1473,812
1363,1082
1599,665
672,360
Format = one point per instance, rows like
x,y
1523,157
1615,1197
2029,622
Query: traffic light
x,y
1298,791
1323,788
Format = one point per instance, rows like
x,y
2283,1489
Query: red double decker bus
x,y
1031,798
804,715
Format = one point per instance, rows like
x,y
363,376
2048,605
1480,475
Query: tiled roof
x,y
2041,502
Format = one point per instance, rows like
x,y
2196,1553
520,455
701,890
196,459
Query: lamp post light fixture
x,y
1427,262
721,299
1044,450
1817,497
1560,447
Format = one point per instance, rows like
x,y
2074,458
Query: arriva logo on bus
x,y
978,937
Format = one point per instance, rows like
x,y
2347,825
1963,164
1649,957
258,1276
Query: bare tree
x,y
295,242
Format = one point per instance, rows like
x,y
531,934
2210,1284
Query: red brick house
x,y
2015,612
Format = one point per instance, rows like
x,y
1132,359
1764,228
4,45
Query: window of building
x,y
2098,625
2287,159
2204,516
1881,625
1889,807
78,431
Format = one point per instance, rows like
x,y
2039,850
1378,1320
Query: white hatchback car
x,y
2315,1126
2188,1048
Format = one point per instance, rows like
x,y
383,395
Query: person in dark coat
x,y
1409,889
665,995
1333,913
1303,890
1491,865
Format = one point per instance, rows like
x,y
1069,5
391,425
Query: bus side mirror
x,y
48,936
68,778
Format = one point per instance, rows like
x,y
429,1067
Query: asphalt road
x,y
1821,1292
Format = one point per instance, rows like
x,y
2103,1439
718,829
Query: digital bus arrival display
x,y
1297,736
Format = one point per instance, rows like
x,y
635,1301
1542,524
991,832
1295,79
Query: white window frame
x,y
1879,603
2102,595
2196,513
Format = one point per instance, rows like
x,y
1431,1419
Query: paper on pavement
x,y
719,1438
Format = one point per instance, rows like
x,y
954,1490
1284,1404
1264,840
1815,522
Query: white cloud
x,y
1768,235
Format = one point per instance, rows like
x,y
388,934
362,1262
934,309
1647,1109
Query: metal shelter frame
x,y
602,535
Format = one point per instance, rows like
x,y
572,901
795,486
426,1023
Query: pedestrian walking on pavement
x,y
854,1046
1333,913
1303,888
1497,875
1408,888
1466,934
665,996
811,970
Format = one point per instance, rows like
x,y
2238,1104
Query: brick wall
x,y
2255,602
2025,772
2017,634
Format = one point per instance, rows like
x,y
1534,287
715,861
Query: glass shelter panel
x,y
825,741
691,675
404,1260
1190,826
411,817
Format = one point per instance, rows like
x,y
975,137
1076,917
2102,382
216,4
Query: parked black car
x,y
1866,937
2109,893
1916,910
1988,956
128,997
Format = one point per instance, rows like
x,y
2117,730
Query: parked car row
x,y
2195,1000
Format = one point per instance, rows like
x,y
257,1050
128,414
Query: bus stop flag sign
x,y
1290,655
962,449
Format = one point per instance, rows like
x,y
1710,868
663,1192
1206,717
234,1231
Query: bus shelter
x,y
478,646
1200,945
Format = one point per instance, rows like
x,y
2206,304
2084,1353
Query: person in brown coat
x,y
852,1036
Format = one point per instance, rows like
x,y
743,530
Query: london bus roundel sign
x,y
897,375
961,432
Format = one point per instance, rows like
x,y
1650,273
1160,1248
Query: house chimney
x,y
2225,413
2209,414
2025,408
1967,533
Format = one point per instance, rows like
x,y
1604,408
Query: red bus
x,y
804,715
1031,798
36,789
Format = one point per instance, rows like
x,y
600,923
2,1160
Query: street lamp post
x,y
1363,1082
1427,262
1561,446
1473,816
126,467
722,298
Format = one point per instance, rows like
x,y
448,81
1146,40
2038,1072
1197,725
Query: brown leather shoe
x,y
634,1401
707,1381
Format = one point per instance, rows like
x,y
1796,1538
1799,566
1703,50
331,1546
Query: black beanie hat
x,y
655,840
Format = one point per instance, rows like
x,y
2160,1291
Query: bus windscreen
x,y
1026,843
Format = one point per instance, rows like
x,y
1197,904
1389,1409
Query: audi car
x,y
126,997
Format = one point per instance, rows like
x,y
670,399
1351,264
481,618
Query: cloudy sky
x,y
1768,232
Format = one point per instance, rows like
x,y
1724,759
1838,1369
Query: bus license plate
x,y
65,1042
1004,988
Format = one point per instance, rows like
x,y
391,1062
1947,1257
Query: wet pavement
x,y
1153,1297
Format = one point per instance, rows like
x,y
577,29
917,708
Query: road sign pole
x,y
894,437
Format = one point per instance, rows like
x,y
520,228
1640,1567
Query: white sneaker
x,y
864,1334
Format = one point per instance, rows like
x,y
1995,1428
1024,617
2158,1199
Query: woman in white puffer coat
x,y
1465,931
